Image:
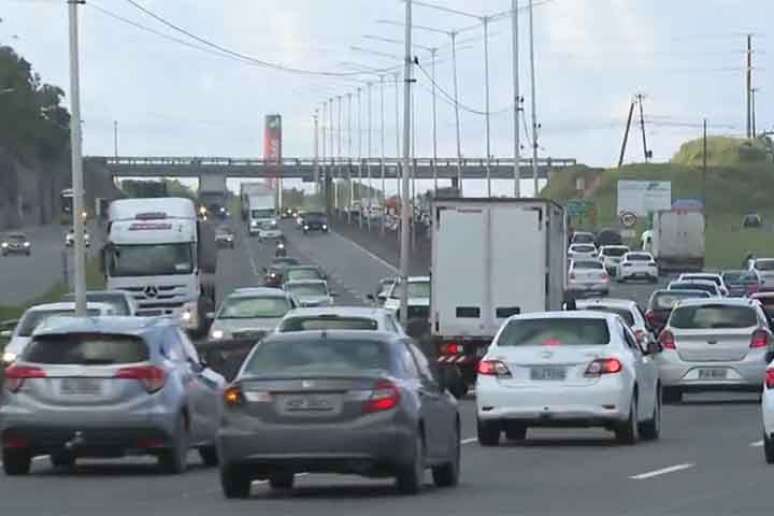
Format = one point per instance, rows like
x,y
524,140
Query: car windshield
x,y
225,231
254,307
86,349
315,217
764,265
587,264
638,257
117,301
705,317
702,277
555,331
667,300
34,318
583,238
150,259
416,289
327,323
318,356
261,214
16,238
303,274
625,313
583,248
308,289
614,251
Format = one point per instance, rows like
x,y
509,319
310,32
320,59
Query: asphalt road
x,y
708,461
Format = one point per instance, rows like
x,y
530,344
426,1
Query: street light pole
x,y
433,51
404,206
79,254
349,158
316,153
115,138
360,158
534,102
397,137
370,152
516,100
453,35
486,85
381,116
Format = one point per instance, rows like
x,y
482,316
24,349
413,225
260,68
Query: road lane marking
x,y
756,444
469,440
663,471
369,253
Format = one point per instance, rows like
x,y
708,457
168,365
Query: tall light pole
x,y
316,153
457,112
360,157
370,152
79,254
516,99
485,21
398,190
381,138
115,138
534,101
349,160
404,205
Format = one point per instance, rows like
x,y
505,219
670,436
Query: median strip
x,y
663,471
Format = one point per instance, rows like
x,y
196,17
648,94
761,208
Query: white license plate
x,y
713,374
82,386
547,373
309,404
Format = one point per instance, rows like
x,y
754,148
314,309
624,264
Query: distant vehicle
x,y
259,205
287,409
340,318
15,243
628,310
129,384
310,292
582,252
611,256
663,301
289,213
587,277
251,313
608,237
418,298
638,265
752,221
224,237
677,240
741,283
281,250
70,238
122,302
274,276
583,237
382,290
708,286
646,241
559,369
315,221
38,315
717,279
765,269
304,272
714,344
269,230
766,299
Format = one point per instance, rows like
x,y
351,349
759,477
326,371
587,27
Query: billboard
x,y
272,139
643,197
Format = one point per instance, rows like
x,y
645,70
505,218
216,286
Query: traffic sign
x,y
628,219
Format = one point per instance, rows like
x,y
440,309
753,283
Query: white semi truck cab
x,y
164,256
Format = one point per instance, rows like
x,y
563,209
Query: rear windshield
x,y
587,264
308,289
321,356
667,300
415,289
303,274
638,257
34,318
740,278
327,323
583,238
713,317
766,300
693,286
615,251
86,349
702,277
583,248
764,265
254,307
117,302
625,314
554,331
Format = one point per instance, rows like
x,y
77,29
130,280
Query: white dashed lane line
x,y
756,444
663,471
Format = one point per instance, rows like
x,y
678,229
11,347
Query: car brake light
x,y
760,339
385,396
451,348
651,317
17,374
233,396
667,340
604,366
770,378
151,377
493,368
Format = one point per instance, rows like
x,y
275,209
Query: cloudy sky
x,y
592,56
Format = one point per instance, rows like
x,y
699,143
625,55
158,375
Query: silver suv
x,y
109,387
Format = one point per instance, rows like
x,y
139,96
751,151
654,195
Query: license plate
x,y
547,373
82,386
713,374
309,404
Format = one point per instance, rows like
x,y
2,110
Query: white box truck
x,y
491,259
677,240
160,252
259,206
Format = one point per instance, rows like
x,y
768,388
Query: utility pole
x,y
359,159
453,35
626,134
645,151
397,138
381,138
433,51
704,169
404,205
370,152
753,91
349,158
534,101
515,51
749,85
485,21
316,154
115,138
326,194
79,254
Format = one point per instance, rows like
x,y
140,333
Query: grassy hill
x,y
739,180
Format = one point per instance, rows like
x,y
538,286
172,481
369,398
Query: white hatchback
x,y
560,369
582,251
588,277
636,265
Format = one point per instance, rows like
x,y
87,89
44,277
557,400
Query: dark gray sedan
x,y
337,402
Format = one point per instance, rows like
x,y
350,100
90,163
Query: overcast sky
x,y
592,56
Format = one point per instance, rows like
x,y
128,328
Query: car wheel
x,y
672,395
16,462
209,455
488,433
768,449
174,459
627,432
411,476
515,432
235,482
63,460
448,475
282,480
651,429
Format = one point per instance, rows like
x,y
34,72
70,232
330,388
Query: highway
x,y
708,461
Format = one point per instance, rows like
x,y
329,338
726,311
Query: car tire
x,y
174,460
411,476
235,482
650,430
768,449
515,432
209,456
282,480
627,432
672,395
16,462
62,460
488,433
448,475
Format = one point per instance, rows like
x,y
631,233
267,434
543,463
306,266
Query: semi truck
x,y
491,259
677,240
161,253
259,206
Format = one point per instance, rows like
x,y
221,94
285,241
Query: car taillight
x,y
760,339
385,396
151,377
651,317
667,340
451,348
770,378
604,366
17,374
493,368
233,396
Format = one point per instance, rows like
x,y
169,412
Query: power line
x,y
449,99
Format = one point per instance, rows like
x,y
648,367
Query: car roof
x,y
693,282
303,266
122,293
338,311
65,305
680,292
700,274
418,279
108,324
16,235
258,292
763,260
313,335
724,301
611,302
568,314
306,282
762,295
615,246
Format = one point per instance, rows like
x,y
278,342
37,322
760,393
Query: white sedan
x,y
767,408
636,265
588,277
582,251
560,369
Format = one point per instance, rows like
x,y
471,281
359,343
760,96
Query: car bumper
x,y
746,374
588,287
270,234
767,408
627,273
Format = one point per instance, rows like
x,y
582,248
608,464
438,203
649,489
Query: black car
x,y
315,221
224,237
274,276
15,243
609,237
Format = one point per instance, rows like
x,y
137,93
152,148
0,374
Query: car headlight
x,y
306,227
26,244
217,334
4,244
8,357
189,316
325,226
273,222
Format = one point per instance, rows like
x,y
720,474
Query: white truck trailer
x,y
677,240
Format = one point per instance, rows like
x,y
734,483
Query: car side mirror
x,y
6,334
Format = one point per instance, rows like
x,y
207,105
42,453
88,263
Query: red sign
x,y
272,144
